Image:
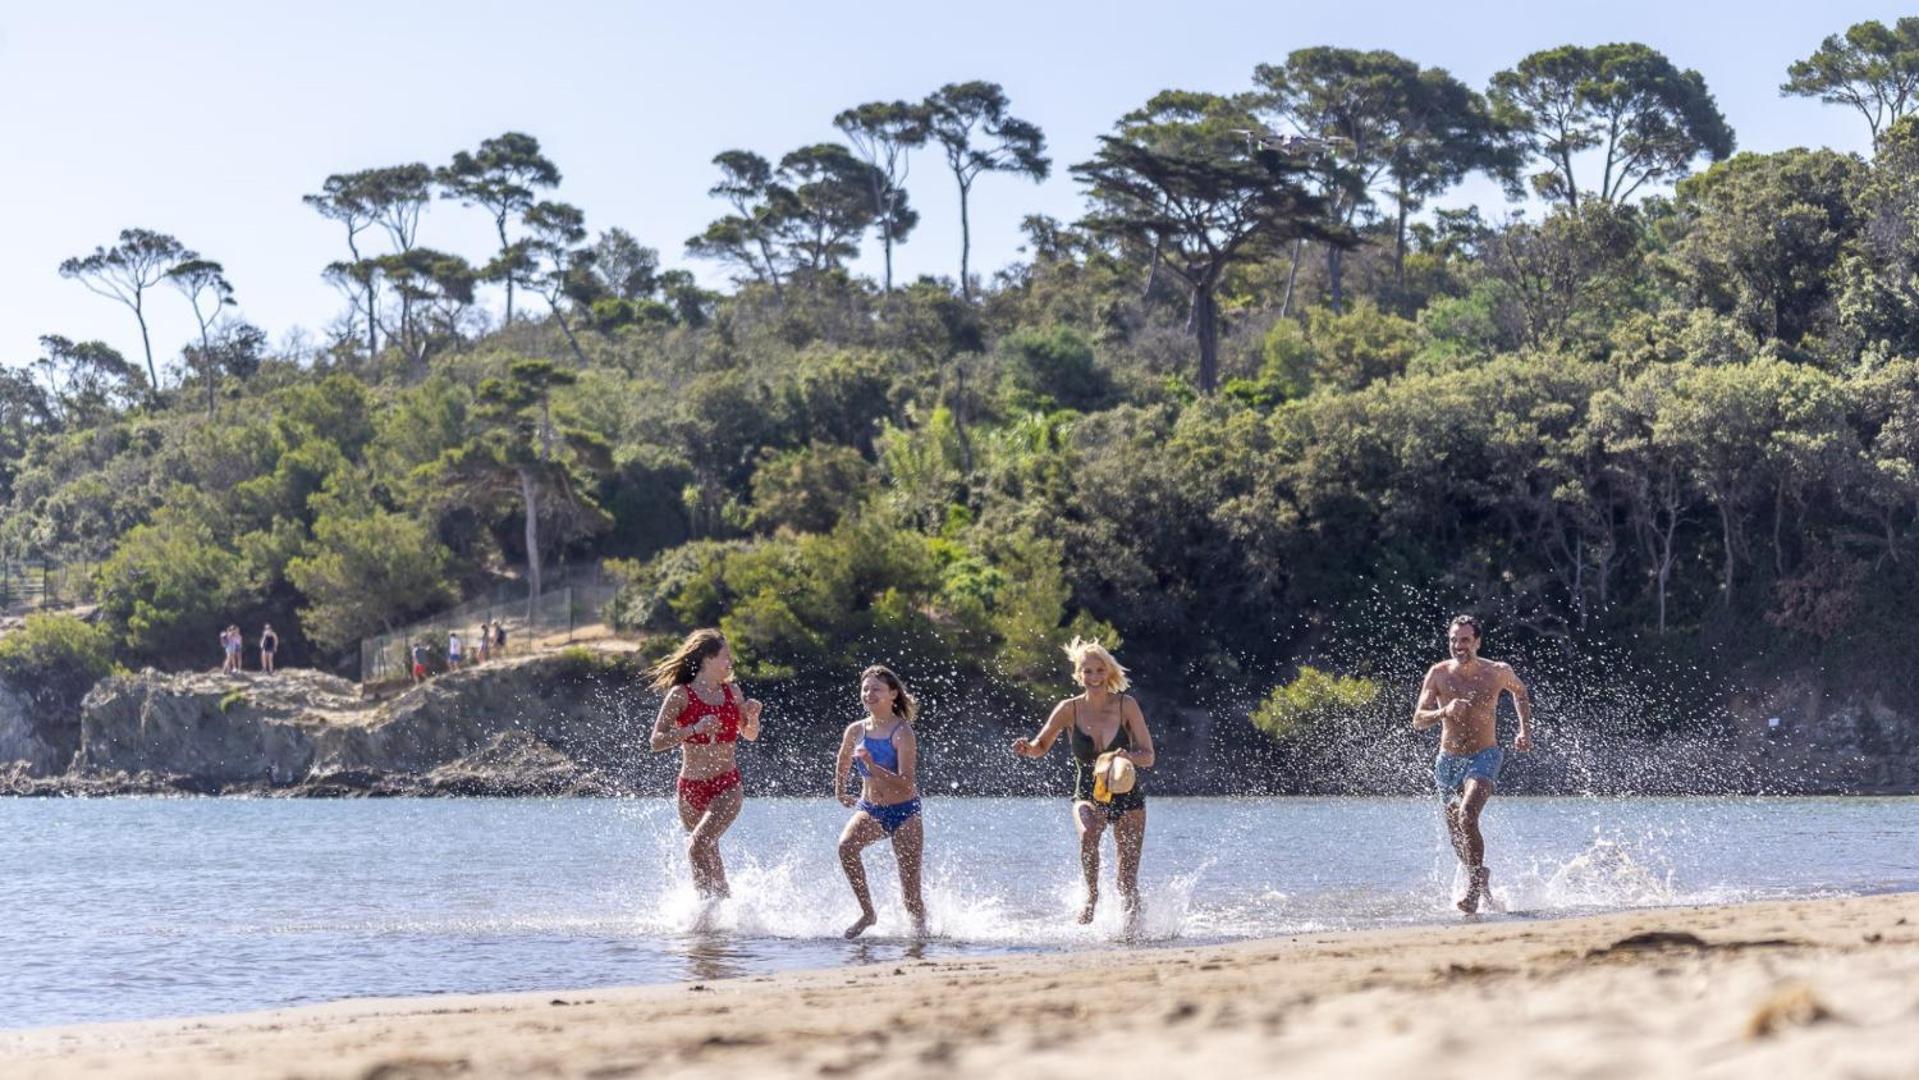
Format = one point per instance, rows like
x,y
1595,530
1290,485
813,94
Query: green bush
x,y
173,585
792,603
1053,368
1314,697
56,658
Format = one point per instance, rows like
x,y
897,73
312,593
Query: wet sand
x,y
1783,990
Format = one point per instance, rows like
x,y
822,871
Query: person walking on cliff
x,y
883,748
453,650
486,640
419,662
1461,695
1107,734
703,715
269,644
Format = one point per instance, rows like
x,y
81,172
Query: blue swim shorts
x,y
1451,771
891,817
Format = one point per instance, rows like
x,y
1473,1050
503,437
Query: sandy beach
x,y
1790,989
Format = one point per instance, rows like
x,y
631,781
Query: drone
x,y
1292,146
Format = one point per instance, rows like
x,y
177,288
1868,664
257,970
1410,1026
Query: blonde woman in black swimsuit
x,y
1105,717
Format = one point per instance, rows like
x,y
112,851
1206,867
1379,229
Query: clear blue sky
x,y
209,119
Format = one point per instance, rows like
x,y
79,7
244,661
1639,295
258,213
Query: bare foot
x,y
919,927
1476,890
1086,910
859,927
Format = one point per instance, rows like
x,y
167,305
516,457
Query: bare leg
x,y
1092,825
1129,836
859,832
1470,844
909,843
703,841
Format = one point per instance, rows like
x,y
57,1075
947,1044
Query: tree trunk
x,y
1336,277
500,223
406,327
1206,325
772,273
1665,570
372,322
1778,543
959,416
568,331
1292,275
153,373
884,206
530,496
1399,249
966,246
206,355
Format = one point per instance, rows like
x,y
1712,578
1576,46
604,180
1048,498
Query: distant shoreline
x,y
1819,987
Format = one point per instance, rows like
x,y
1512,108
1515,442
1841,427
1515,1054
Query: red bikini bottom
x,y
699,794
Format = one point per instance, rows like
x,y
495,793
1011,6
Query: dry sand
x,y
1775,990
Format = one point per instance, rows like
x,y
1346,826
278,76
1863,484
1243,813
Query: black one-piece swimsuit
x,y
1085,755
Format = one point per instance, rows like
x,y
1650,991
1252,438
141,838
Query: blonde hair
x,y
679,668
905,705
1080,648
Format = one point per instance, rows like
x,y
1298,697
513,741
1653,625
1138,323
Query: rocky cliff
x,y
556,725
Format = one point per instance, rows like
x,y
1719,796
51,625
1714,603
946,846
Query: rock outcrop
x,y
556,725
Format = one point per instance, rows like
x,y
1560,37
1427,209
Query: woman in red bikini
x,y
704,714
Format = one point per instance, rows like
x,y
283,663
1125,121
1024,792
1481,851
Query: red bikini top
x,y
729,714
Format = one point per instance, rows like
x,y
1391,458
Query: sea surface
x,y
135,908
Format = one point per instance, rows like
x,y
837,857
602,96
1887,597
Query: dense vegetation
x,y
1265,380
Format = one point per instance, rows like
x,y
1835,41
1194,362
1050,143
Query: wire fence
x,y
562,615
32,584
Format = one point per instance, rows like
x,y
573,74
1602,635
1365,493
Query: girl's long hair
x,y
905,705
679,668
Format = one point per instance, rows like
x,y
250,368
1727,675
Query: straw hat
x,y
1114,770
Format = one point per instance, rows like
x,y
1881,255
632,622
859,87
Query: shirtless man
x,y
1462,696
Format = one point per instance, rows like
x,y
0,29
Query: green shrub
x,y
56,658
1053,368
1314,697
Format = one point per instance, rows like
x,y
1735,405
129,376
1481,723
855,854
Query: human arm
x,y
666,735
1523,705
843,765
1142,753
1038,745
1428,711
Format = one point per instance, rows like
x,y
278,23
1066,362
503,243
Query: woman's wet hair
x,y
905,705
1080,648
680,666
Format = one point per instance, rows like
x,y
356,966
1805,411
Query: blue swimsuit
x,y
887,756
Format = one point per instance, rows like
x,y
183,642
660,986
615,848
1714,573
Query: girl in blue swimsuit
x,y
882,748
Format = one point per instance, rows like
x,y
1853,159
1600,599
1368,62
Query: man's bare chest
x,y
1477,688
